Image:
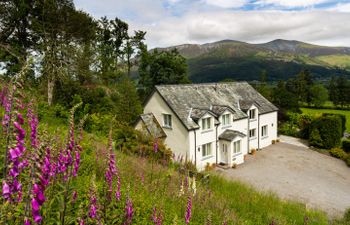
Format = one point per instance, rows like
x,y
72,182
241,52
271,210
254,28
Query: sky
x,y
174,22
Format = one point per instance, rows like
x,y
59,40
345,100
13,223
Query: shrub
x,y
342,118
346,145
347,216
347,160
338,153
326,132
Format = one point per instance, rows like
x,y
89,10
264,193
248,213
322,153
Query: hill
x,y
229,59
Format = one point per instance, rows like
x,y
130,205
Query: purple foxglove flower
x,y
128,211
155,146
20,118
81,222
74,197
5,190
35,204
92,212
26,221
117,193
14,153
189,209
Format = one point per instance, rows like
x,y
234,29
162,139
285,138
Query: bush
x,y
347,160
347,216
326,132
342,118
338,153
346,145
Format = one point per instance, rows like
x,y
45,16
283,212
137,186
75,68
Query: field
x,y
320,111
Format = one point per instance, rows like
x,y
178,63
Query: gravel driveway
x,y
298,173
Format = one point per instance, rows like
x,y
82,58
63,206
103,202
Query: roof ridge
x,y
201,84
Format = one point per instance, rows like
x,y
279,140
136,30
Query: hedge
x,y
346,145
326,131
342,117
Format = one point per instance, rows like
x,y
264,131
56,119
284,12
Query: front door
x,y
223,153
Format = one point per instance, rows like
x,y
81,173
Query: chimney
x,y
239,107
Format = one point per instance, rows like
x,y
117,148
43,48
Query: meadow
x,y
56,173
336,111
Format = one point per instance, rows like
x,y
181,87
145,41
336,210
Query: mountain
x,y
229,59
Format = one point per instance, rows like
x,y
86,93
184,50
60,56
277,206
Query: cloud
x,y
226,3
341,7
319,27
291,3
173,22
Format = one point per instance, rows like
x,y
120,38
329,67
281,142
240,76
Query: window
x,y
206,123
167,120
206,149
264,131
237,146
226,119
252,113
252,133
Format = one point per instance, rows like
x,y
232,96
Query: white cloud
x,y
317,27
341,7
292,3
198,23
226,3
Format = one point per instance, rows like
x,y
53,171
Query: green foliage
x,y
339,91
346,145
166,67
325,132
347,160
342,118
338,153
319,112
319,95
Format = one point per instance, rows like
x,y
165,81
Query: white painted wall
x,y
253,124
177,137
204,137
269,119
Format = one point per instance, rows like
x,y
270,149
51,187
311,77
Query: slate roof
x,y
190,101
152,125
229,135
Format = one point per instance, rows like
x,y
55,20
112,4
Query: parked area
x,y
297,173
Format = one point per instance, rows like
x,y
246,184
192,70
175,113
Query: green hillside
x,y
280,58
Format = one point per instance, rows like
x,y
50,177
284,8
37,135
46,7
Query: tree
x,y
319,95
284,100
300,86
128,105
166,67
339,91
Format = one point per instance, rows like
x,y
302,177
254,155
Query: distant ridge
x,y
281,59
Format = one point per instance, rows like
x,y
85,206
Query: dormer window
x,y
167,121
226,119
252,114
206,123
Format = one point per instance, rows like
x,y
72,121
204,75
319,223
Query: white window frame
x,y
252,114
226,119
167,120
206,150
237,147
252,133
264,131
206,123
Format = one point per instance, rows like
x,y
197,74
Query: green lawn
x,y
320,111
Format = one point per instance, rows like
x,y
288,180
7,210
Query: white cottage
x,y
210,123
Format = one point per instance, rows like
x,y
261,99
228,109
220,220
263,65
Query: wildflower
x,y
156,217
35,211
155,146
33,123
74,196
5,190
194,188
128,211
189,209
93,208
26,221
181,192
117,193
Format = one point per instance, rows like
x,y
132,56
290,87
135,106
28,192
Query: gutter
x,y
258,132
216,143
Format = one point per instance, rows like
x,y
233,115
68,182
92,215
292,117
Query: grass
x,y
320,111
157,185
336,60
